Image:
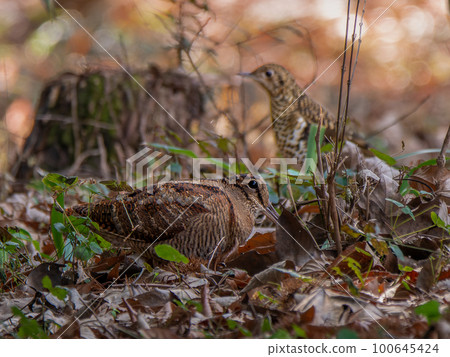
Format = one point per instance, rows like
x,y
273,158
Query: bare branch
x,y
441,157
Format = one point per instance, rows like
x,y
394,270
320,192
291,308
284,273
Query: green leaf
x,y
117,186
220,163
68,252
421,152
397,251
299,331
57,218
281,333
61,228
294,274
175,150
176,168
293,173
438,221
95,189
406,285
326,148
430,310
245,331
197,305
231,324
311,152
51,180
385,157
95,248
76,238
222,144
311,147
71,180
398,204
104,244
59,182
266,325
167,252
83,253
20,233
60,293
355,266
3,257
273,196
408,211
403,189
405,268
362,251
346,333
12,244
28,327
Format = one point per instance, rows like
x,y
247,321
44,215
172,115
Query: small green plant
x,y
60,293
281,333
299,332
262,297
430,310
72,236
28,328
405,209
346,333
439,222
167,252
198,306
266,325
385,157
12,255
233,325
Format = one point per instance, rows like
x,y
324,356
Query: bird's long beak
x,y
270,212
244,74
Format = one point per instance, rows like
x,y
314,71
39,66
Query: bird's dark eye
x,y
269,74
253,184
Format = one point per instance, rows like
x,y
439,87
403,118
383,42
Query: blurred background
x,y
402,76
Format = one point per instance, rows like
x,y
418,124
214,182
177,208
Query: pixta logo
x,y
144,166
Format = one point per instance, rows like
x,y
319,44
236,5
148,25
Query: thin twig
x,y
359,37
332,210
334,215
291,196
441,157
349,83
341,83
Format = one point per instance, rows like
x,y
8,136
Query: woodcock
x,y
292,111
198,219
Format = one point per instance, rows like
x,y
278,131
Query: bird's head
x,y
257,195
273,77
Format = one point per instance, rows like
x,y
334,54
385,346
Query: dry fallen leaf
x,y
294,242
270,275
52,270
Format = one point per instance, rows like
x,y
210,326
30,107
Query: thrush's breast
x,y
293,112
291,124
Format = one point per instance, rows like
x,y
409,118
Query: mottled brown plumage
x,y
292,111
195,218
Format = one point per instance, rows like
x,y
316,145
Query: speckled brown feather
x,y
195,218
293,111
